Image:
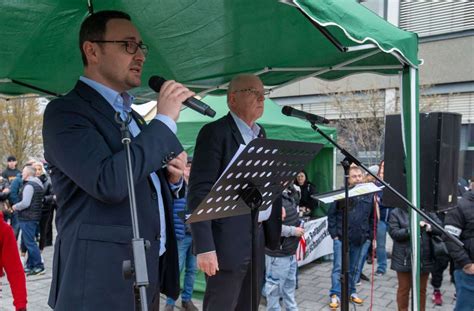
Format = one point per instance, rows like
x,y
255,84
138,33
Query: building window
x,y
436,18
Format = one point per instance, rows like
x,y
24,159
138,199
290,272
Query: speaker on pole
x,y
439,158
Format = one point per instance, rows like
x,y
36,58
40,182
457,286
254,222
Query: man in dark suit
x,y
82,143
223,246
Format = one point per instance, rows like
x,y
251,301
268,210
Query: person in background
x,y
382,226
11,264
14,197
29,215
83,146
4,193
399,230
374,169
187,260
360,234
45,225
10,171
460,223
281,264
224,258
307,203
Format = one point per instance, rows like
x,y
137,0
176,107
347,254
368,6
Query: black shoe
x,y
35,271
364,277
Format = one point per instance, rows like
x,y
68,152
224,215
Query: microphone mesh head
x,y
286,110
155,83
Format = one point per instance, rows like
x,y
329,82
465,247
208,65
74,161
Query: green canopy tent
x,y
203,43
321,169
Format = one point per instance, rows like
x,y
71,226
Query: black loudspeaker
x,y
439,157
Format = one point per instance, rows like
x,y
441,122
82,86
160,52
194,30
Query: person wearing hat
x,y
11,171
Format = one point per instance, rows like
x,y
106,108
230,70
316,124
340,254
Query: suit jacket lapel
x,y
139,120
96,101
235,130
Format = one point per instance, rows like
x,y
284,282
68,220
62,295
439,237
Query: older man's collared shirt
x,y
122,103
248,134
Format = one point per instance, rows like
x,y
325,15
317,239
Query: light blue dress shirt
x,y
248,134
122,103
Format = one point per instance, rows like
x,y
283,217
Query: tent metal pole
x,y
414,189
285,69
323,71
35,88
325,33
361,47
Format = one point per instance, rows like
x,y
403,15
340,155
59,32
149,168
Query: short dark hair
x,y
94,26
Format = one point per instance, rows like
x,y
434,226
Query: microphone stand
x,y
346,163
137,269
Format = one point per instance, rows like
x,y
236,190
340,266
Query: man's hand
x,y
176,167
207,263
469,268
299,231
6,190
172,95
283,213
426,225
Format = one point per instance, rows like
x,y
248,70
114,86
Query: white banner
x,y
316,243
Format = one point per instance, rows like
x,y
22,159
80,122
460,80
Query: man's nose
x,y
139,55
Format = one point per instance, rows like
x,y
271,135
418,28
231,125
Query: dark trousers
x,y
231,289
441,264
46,228
404,287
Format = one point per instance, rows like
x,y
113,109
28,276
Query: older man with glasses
x,y
223,246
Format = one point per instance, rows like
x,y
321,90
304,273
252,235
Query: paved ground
x,y
314,284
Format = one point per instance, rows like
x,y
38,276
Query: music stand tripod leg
x,y
253,199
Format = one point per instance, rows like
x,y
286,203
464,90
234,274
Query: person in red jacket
x,y
10,262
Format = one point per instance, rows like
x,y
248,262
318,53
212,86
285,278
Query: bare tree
x,y
361,123
20,131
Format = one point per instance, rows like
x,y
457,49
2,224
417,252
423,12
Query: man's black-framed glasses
x,y
130,46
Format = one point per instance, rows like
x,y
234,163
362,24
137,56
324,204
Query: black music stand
x,y
252,182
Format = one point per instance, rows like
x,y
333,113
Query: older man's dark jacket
x,y
230,237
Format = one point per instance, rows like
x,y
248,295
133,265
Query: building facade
x,y
446,36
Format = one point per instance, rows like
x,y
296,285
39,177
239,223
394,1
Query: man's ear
x,y
231,99
91,51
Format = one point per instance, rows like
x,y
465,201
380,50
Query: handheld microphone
x,y
155,83
292,112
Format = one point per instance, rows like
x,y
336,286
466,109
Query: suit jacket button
x,y
157,237
154,196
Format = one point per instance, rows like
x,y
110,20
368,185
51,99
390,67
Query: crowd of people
x,y
27,207
85,155
369,222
